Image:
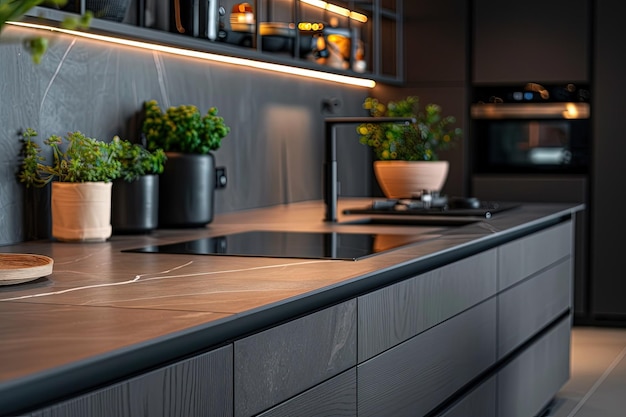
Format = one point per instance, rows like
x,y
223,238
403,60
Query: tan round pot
x,y
81,212
409,179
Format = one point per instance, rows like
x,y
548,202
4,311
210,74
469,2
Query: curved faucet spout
x,y
330,158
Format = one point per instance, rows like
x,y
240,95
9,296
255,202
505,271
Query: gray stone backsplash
x,y
273,155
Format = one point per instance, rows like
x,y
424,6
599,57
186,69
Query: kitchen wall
x,y
273,155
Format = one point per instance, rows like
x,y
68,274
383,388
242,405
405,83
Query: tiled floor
x,y
597,387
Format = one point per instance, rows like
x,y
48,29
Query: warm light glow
x,y
359,17
342,11
310,27
571,111
284,69
333,8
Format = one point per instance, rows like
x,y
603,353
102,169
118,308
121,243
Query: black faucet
x,y
330,158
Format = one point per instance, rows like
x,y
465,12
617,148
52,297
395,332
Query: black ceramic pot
x,y
187,190
135,205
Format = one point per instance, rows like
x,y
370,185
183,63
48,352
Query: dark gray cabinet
x,y
528,383
335,397
276,364
414,377
532,40
479,402
398,312
198,387
485,335
527,256
541,298
423,339
608,222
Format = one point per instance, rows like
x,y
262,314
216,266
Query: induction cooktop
x,y
281,244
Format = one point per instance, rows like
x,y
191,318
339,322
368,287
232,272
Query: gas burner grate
x,y
438,206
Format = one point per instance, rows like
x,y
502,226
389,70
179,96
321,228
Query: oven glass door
x,y
531,145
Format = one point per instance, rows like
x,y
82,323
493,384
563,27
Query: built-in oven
x,y
531,128
532,143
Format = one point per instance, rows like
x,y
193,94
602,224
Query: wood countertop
x,y
104,314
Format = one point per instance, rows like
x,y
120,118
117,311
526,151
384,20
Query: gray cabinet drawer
x,y
417,375
394,314
335,397
528,383
480,402
201,386
526,308
284,361
526,256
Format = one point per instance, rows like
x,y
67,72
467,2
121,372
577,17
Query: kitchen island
x,y
469,318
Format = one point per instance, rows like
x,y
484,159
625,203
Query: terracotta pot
x,y
408,179
81,211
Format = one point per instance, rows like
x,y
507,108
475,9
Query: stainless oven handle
x,y
530,111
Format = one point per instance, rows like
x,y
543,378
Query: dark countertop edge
x,y
58,384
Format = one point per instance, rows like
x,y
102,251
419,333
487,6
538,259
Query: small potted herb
x,y
407,156
81,172
189,179
135,195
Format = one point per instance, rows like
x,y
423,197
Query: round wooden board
x,y
16,268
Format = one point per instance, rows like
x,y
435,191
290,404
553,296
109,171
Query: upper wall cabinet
x,y
532,40
355,38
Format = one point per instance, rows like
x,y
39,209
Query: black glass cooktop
x,y
278,244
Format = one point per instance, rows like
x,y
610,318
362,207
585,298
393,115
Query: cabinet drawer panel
x,y
201,386
336,397
528,383
526,308
417,375
526,256
480,402
278,363
400,311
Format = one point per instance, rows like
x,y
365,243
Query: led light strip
x,y
342,11
284,69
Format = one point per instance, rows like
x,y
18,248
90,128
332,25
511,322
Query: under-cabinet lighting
x,y
284,69
342,11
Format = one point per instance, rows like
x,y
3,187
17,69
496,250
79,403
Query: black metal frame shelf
x,y
53,17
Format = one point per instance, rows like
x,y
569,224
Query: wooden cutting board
x,y
16,268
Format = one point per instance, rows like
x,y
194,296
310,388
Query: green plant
x,y
183,129
136,160
77,159
12,10
419,141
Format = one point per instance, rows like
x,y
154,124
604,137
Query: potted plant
x,y
135,194
187,185
81,171
407,160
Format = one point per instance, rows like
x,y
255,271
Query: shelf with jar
x,y
354,38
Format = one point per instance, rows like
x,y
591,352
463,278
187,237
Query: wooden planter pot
x,y
81,212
